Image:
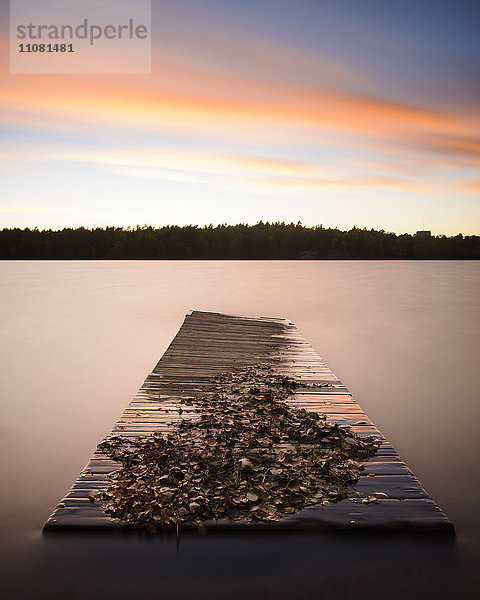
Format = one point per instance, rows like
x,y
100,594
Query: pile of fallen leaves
x,y
247,456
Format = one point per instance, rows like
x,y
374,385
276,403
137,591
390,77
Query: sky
x,y
335,112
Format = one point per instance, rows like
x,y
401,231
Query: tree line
x,y
260,241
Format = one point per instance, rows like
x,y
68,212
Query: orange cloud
x,y
457,145
195,93
143,106
472,186
313,183
271,165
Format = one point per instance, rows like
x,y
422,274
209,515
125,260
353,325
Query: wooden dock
x,y
210,343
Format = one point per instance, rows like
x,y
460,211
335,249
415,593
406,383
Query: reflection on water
x,y
78,340
241,566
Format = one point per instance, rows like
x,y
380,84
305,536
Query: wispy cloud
x,y
459,146
160,174
271,165
44,209
471,186
202,95
311,183
188,167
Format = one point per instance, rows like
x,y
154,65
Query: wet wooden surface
x,y
209,343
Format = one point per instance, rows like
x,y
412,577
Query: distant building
x,y
425,233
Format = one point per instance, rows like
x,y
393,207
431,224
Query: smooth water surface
x,y
78,338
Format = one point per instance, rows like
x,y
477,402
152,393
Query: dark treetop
x,y
260,241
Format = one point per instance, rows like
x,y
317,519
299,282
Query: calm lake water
x,y
78,339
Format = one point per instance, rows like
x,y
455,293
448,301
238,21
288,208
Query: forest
x,y
259,241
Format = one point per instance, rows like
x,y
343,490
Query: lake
x,y
78,339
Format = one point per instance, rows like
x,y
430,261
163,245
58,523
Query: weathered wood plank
x,y
209,343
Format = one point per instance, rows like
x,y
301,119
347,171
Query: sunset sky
x,y
340,112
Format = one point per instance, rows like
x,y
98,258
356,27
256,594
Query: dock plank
x,y
210,343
